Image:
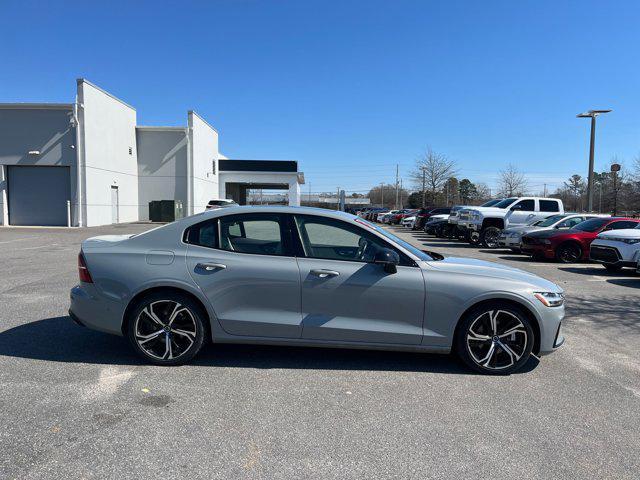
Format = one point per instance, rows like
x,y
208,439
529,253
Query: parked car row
x,y
528,226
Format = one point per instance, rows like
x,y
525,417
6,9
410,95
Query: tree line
x,y
435,181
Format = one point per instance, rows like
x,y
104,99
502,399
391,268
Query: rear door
x,y
345,296
245,266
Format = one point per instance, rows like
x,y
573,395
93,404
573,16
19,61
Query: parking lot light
x,y
592,114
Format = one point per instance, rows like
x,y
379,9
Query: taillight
x,y
83,271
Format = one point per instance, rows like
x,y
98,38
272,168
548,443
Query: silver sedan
x,y
304,276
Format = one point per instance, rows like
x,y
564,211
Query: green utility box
x,y
165,210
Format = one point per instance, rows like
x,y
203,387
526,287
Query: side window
x,y
621,225
204,234
527,205
549,206
571,222
258,234
326,238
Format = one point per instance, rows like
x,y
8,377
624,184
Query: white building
x,y
88,163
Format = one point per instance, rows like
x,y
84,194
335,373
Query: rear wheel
x,y
166,328
569,253
489,237
495,339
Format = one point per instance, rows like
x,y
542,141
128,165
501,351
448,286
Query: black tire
x,y
521,343
489,237
474,237
612,268
190,318
569,252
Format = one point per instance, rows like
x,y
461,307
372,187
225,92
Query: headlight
x,y
630,241
550,299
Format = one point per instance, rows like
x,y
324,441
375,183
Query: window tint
x,y
505,202
258,234
592,225
331,239
526,205
549,206
204,234
621,225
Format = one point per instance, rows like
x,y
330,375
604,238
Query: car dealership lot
x,y
78,403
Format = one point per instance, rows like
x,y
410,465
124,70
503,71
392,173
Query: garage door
x,y
38,195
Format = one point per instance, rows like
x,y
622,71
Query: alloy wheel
x,y
490,237
165,330
569,253
496,340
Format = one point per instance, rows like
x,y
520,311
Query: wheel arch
x,y
165,289
572,241
520,306
493,222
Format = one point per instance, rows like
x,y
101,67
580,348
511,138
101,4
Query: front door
x,y
522,212
115,214
345,296
244,265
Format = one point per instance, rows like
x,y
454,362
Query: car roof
x,y
239,209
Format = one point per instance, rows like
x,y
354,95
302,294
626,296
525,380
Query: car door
x,y
345,296
522,212
245,266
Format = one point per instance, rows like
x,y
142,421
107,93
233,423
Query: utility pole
x,y
338,200
424,187
545,190
615,168
592,144
382,194
401,199
397,185
600,203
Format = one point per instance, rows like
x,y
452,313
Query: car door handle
x,y
322,273
211,266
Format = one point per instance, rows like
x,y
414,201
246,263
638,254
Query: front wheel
x,y
489,237
495,339
166,328
569,253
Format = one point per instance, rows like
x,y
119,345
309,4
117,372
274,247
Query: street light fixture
x,y
592,114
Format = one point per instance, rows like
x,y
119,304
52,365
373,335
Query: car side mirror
x,y
388,258
516,207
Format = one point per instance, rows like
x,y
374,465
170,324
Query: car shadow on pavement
x,y
58,339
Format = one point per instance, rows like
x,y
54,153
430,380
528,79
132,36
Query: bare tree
x,y
576,187
483,193
512,182
432,171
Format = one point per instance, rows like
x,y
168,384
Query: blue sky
x,y
350,88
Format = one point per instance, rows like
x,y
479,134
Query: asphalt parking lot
x,y
78,404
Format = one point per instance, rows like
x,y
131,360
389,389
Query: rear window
x,y
549,206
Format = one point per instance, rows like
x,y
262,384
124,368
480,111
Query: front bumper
x,y
551,336
509,242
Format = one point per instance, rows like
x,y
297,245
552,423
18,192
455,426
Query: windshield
x,y
505,203
407,246
547,222
592,225
491,203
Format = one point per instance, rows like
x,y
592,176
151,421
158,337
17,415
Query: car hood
x,y
486,210
469,266
104,240
525,229
552,232
623,233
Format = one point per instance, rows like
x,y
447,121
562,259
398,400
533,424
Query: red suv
x,y
570,246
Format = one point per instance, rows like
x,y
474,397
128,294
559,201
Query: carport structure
x,y
238,176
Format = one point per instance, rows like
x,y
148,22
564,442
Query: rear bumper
x,y
509,242
89,309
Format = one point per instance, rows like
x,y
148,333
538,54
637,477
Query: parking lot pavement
x,y
78,404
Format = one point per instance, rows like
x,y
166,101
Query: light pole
x,y
592,114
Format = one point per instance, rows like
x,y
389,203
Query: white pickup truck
x,y
484,224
